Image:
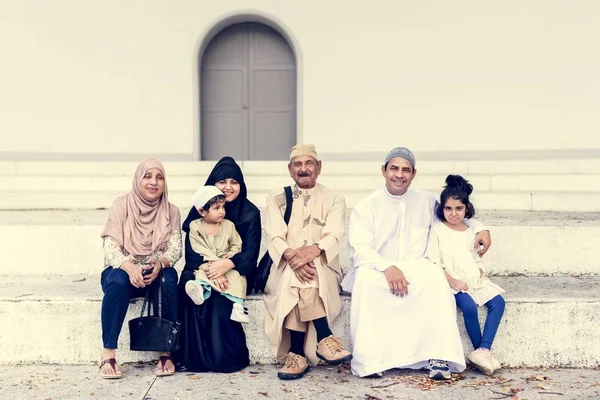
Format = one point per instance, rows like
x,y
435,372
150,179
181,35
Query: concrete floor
x,y
52,382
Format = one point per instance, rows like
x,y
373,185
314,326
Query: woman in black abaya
x,y
210,340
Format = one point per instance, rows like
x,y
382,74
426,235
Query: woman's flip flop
x,y
163,361
113,365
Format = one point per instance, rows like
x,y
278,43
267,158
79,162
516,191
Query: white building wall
x,y
118,77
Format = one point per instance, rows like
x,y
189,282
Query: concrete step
x,y
550,321
489,201
524,243
529,185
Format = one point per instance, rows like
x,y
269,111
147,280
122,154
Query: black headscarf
x,y
238,211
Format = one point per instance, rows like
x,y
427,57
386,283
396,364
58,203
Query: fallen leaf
x,y
264,394
536,378
540,386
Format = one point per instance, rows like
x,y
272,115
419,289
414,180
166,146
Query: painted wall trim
x,y
108,157
556,154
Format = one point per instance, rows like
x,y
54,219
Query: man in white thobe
x,y
403,313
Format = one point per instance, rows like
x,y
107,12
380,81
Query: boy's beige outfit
x,y
215,247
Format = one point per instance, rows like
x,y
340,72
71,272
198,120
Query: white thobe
x,y
389,331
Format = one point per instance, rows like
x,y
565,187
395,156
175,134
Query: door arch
x,y
248,94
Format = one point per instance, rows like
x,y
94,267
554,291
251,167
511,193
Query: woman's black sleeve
x,y
246,260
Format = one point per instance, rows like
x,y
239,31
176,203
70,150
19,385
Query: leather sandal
x,y
113,365
163,362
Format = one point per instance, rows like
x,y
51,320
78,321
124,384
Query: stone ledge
x,y
484,200
548,322
524,243
69,288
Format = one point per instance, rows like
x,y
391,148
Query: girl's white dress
x,y
453,251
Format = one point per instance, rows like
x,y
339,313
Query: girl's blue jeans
x,y
495,309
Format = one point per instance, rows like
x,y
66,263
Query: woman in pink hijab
x,y
142,237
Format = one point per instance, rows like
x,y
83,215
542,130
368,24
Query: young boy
x,y
215,238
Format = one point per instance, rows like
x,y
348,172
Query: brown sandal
x,y
113,365
163,361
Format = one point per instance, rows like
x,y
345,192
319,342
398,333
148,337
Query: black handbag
x,y
154,333
264,266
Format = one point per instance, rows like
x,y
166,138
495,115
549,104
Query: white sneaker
x,y
495,364
482,360
239,314
195,291
439,370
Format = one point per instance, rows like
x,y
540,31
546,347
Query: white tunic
x,y
453,251
389,331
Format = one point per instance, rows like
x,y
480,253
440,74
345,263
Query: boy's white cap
x,y
204,194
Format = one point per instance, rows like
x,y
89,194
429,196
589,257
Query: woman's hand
x,y
204,267
156,268
222,283
218,268
135,274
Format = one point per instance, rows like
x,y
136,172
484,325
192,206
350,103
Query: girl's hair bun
x,y
459,183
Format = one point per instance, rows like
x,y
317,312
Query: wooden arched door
x,y
248,95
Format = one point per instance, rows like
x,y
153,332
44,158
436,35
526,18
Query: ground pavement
x,y
53,382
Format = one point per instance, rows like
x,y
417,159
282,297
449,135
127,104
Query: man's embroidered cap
x,y
400,152
304,150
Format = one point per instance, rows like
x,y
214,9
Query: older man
x,y
302,293
403,313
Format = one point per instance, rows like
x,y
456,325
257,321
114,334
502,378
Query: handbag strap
x,y
161,289
289,200
145,303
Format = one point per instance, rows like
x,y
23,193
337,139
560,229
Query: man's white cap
x,y
204,194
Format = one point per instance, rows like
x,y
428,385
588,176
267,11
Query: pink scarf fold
x,y
142,227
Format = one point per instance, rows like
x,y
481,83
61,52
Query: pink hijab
x,y
140,226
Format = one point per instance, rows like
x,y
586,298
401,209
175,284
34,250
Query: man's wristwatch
x,y
321,250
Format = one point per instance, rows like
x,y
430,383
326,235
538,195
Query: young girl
x,y
214,238
450,246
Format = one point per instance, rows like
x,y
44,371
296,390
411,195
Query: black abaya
x,y
210,340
